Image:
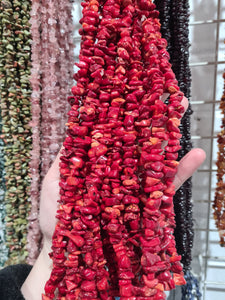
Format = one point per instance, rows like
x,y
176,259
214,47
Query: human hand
x,y
49,201
190,162
33,287
50,187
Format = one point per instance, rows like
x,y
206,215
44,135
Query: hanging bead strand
x,y
16,115
3,248
117,127
174,18
95,281
50,86
219,203
159,166
65,61
59,27
34,235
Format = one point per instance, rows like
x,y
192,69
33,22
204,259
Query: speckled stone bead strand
x,y
3,248
191,290
16,114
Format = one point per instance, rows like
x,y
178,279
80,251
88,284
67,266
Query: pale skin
x,y
33,287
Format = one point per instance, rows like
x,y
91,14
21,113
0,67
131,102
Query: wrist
x,y
33,286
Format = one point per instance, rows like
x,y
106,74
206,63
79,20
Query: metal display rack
x,y
207,60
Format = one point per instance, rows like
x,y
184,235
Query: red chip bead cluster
x,y
114,235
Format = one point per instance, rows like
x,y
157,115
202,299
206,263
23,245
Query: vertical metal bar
x,y
211,148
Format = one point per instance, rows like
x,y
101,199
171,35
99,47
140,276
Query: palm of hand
x,y
49,198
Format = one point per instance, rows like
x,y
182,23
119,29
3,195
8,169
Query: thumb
x,y
188,165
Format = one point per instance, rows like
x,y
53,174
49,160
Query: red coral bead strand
x,y
94,277
131,219
151,158
98,149
130,54
174,113
93,157
112,216
77,146
156,188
